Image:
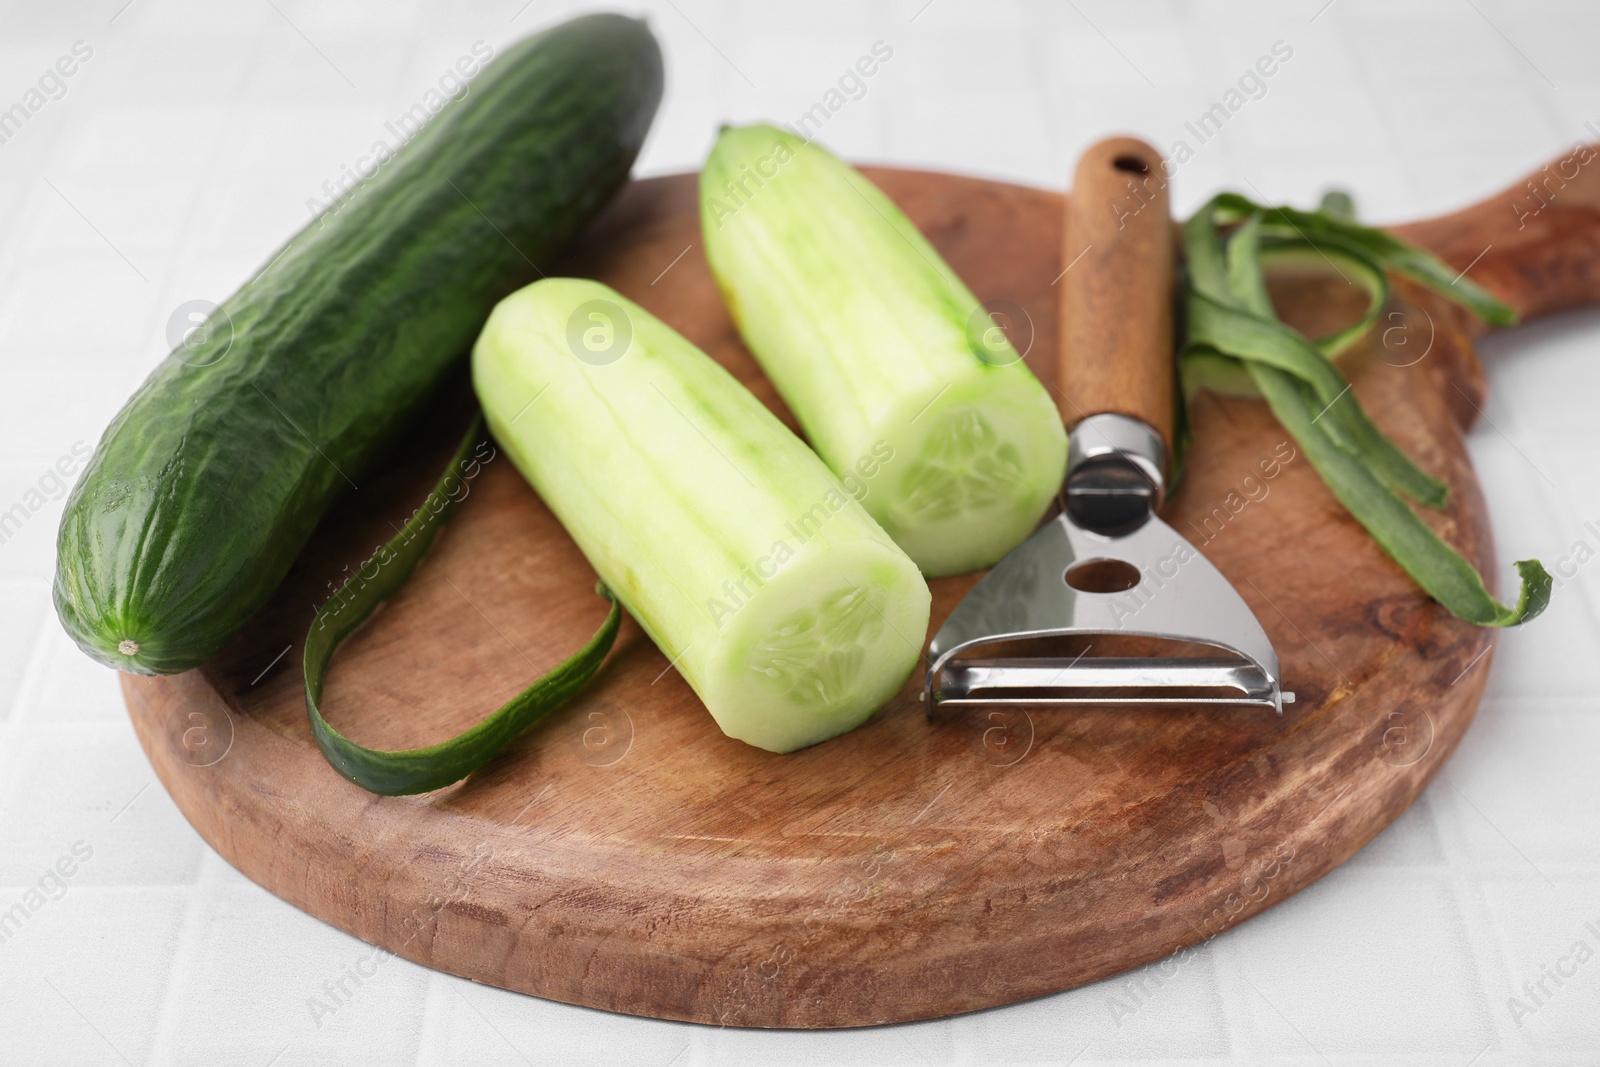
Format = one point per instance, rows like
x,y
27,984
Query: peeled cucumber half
x,y
875,344
757,572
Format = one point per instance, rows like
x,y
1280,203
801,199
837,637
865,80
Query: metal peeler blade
x,y
1178,596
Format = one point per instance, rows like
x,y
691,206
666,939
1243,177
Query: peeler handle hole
x,y
1102,576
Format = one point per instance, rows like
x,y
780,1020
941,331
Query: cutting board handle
x,y
1536,244
1116,291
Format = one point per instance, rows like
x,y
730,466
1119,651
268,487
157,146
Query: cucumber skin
x,y
207,484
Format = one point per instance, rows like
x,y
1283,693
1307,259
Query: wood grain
x,y
625,855
1116,291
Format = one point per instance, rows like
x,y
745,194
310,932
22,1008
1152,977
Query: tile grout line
x,y
185,956
33,674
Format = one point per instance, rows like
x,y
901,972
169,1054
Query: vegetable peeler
x,y
1107,569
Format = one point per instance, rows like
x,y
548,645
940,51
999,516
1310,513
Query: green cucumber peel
x,y
1337,203
1233,333
1440,570
1319,228
418,770
1252,328
1352,266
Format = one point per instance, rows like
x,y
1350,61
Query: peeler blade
x,y
1175,595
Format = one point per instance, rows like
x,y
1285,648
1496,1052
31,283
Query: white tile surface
x,y
1293,970
89,781
84,980
470,1022
191,142
259,979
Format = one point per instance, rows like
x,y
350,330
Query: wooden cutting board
x,y
626,855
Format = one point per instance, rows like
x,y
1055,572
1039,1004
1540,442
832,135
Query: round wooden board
x,y
625,855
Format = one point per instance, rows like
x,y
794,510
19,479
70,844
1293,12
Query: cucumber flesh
x,y
967,489
778,598
803,660
879,348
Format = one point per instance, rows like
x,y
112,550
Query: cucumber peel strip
x,y
1247,328
1339,228
1353,267
418,770
1232,328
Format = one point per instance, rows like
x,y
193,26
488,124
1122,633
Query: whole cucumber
x,y
209,482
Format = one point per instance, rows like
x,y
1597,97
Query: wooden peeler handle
x,y
1116,294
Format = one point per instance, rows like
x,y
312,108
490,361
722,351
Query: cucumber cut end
x,y
981,467
818,648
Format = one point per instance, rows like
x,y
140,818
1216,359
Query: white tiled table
x,y
185,148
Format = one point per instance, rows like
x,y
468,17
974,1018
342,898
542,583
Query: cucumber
x,y
782,603
208,483
875,344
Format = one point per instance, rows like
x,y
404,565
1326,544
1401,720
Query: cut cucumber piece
x,y
885,357
778,598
